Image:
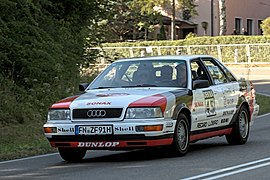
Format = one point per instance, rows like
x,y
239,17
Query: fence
x,y
228,54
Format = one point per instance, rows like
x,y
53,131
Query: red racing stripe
x,y
210,134
155,100
64,103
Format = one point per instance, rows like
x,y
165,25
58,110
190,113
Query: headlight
x,y
59,114
144,113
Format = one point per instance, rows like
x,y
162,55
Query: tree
x,y
222,17
266,26
128,19
42,48
144,9
187,6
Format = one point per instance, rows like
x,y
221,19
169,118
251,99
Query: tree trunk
x,y
222,17
173,21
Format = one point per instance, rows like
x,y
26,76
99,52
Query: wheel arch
x,y
246,105
182,108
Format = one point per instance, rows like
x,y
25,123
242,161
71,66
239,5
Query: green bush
x,y
266,26
42,49
196,45
202,40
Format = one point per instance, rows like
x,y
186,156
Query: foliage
x,y
42,48
127,21
257,53
266,26
202,40
133,19
190,35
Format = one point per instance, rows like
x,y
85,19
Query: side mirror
x,y
83,86
200,84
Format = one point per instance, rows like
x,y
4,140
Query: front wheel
x,y
240,130
181,136
72,154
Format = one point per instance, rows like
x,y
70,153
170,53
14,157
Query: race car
x,y
162,101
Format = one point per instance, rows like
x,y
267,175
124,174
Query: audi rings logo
x,y
96,113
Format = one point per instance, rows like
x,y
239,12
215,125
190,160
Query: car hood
x,y
120,98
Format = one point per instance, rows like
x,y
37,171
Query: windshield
x,y
143,73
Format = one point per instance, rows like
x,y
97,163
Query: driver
x,y
181,75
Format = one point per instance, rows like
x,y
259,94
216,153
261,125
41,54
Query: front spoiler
x,y
110,143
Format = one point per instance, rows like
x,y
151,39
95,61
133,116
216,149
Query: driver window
x,y
197,71
216,73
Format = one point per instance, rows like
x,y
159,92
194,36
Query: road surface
x,y
208,159
211,158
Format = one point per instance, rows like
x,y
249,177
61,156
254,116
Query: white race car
x,y
152,102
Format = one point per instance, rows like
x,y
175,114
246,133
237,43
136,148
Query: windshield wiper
x,y
104,87
140,85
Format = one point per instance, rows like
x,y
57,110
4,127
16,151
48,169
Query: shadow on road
x,y
151,154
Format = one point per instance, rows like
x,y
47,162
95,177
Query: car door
x,y
207,102
231,93
226,88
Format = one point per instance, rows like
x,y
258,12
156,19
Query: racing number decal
x,y
210,107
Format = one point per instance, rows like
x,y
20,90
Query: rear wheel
x,y
181,136
240,130
72,154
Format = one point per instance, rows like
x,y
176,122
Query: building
x,y
239,14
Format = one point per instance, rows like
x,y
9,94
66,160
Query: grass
x,y
263,101
23,140
28,139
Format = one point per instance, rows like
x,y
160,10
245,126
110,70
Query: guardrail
x,y
228,54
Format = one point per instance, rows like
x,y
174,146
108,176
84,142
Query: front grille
x,y
97,113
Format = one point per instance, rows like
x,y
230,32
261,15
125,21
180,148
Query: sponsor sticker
x,y
228,112
98,144
124,129
66,130
225,120
198,104
207,124
112,94
98,103
210,109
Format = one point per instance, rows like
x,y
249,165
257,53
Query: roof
x,y
167,57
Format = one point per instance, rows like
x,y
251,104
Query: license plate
x,y
93,130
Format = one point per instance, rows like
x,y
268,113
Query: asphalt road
x,y
208,159
259,76
211,158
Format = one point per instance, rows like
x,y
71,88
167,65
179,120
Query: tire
x,y
180,144
240,131
72,154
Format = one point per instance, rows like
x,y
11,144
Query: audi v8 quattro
x,y
159,101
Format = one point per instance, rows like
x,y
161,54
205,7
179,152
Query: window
x,y
215,71
238,25
147,73
227,72
249,26
259,27
197,71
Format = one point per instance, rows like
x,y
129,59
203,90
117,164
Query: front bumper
x,y
125,135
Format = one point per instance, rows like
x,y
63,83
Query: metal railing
x,y
228,53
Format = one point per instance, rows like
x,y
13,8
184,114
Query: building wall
x,y
247,9
244,9
204,15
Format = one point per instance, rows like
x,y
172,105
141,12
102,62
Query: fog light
x,y
50,129
149,128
